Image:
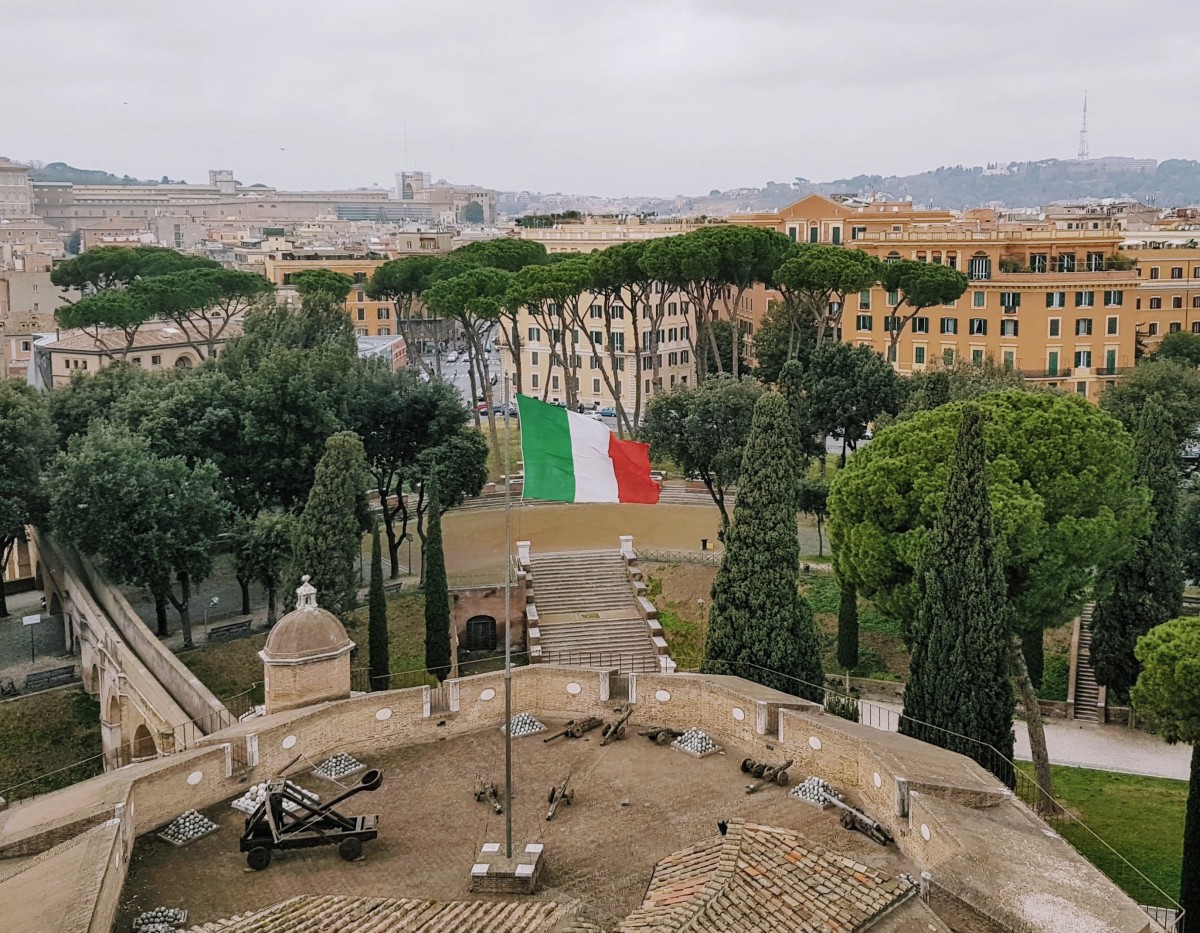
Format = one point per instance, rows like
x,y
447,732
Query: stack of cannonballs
x,y
188,827
257,793
337,767
695,742
811,789
160,920
524,724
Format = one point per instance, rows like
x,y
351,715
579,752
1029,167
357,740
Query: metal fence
x,y
610,660
654,556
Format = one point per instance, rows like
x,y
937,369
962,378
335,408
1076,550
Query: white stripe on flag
x,y
595,478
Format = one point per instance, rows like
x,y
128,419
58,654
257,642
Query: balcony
x,y
1046,279
1060,373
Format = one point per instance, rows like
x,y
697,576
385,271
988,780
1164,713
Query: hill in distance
x,y
60,171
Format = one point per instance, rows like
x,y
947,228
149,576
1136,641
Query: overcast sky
x,y
611,97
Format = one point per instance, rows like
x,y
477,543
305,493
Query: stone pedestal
x,y
492,873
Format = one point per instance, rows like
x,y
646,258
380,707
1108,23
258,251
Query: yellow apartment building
x,y
1052,303
1167,297
597,233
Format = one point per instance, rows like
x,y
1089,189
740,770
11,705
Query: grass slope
x,y
44,732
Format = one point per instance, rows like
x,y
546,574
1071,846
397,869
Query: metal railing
x,y
657,556
625,662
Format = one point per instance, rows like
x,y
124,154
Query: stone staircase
x,y
1087,691
587,610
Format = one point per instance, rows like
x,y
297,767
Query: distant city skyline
x,y
614,99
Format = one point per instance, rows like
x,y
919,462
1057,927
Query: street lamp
x,y
212,603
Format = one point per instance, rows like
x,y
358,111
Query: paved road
x,y
1084,745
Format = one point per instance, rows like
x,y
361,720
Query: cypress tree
x,y
958,688
1147,588
847,631
437,595
329,532
760,627
377,622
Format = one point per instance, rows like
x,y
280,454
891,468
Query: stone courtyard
x,y
636,803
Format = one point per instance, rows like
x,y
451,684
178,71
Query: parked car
x,y
482,408
594,415
512,411
608,412
451,357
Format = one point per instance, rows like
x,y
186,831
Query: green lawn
x,y
1140,817
44,732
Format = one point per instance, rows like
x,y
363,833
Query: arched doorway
x,y
92,683
143,743
481,634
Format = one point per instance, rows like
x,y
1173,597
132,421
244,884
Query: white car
x,y
451,357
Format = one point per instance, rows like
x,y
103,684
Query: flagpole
x,y
507,630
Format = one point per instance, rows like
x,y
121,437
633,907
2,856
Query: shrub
x,y
1054,677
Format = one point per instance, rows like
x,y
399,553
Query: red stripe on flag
x,y
631,463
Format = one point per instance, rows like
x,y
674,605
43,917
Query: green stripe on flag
x,y
546,450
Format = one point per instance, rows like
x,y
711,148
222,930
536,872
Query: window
x,y
1110,361
1055,326
359,295
385,331
858,233
533,358
361,313
1095,262
1155,304
978,299
1052,363
862,322
1177,272
1110,326
1114,298
1085,299
1177,302
534,381
1196,301
1083,327
891,323
25,347
980,268
1196,272
949,325
892,257
1008,328
596,311
920,325
1010,299
673,359
1083,359
554,382
1174,327
1010,358
1081,388
948,356
156,360
595,387
864,300
893,298
360,278
1154,272
919,355
535,334
1056,299
976,357
598,337
792,232
617,312
812,234
593,362
684,357
384,313
1064,262
1196,327
1153,328
978,327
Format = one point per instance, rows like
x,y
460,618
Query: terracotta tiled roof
x,y
310,913
765,879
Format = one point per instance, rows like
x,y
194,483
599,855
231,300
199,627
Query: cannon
x,y
615,730
560,793
273,826
765,773
486,790
574,728
855,820
662,735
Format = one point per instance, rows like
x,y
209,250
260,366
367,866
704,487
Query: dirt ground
x,y
597,849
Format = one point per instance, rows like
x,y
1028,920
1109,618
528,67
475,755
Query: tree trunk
x,y
271,606
712,345
1189,877
477,347
244,583
820,537
181,606
1046,803
160,614
389,529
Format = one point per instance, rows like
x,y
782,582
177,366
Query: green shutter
x,y
1052,363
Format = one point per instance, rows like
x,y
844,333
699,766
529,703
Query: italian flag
x,y
572,458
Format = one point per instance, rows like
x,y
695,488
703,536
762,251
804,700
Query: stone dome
x,y
307,633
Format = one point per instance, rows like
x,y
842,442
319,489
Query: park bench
x,y
230,631
44,680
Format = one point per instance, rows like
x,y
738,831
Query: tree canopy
x,y
846,387
1062,511
920,285
1176,387
816,278
26,444
703,429
1181,347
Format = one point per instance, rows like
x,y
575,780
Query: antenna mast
x,y
1083,143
